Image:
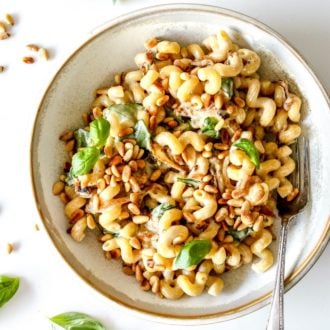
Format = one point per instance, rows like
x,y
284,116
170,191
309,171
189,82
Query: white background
x,y
48,286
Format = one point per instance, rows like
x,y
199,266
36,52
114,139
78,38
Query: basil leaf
x,y
192,253
241,234
82,138
209,129
142,135
159,210
249,148
124,112
190,182
84,160
227,85
8,288
99,132
76,321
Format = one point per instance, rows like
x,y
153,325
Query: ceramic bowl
x,y
94,64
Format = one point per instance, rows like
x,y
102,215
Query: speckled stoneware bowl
x,y
94,64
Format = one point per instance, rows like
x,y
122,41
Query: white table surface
x,y
48,286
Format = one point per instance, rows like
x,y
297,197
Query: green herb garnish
x,y
142,135
84,160
249,148
159,210
227,85
8,288
192,253
76,321
209,129
189,182
99,132
82,138
240,235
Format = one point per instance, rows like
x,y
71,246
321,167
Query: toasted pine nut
x,y
28,60
139,219
155,175
127,186
9,19
116,160
66,136
135,243
125,131
211,189
3,28
134,184
2,68
221,146
124,215
126,174
128,155
90,222
70,145
207,178
141,163
151,43
133,165
138,273
115,171
128,270
134,209
10,248
4,35
32,47
58,187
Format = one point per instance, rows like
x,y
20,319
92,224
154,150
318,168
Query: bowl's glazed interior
x,y
94,65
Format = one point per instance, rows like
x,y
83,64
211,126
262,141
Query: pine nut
x,y
4,35
135,243
9,19
140,219
3,28
28,60
151,43
207,178
32,47
208,146
120,148
155,175
128,270
2,68
128,155
66,136
126,174
134,209
58,187
211,189
90,222
69,145
10,248
141,163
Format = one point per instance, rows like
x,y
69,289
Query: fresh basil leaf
x,y
240,235
227,85
82,138
249,148
192,253
84,160
99,132
190,182
142,135
125,112
159,210
209,127
8,288
76,321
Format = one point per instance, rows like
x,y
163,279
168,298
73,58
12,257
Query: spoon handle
x,y
276,321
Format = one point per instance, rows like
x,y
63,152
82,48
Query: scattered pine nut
x,y
32,47
4,35
36,227
10,248
9,19
3,28
2,68
28,60
43,54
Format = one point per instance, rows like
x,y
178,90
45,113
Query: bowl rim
x,y
292,279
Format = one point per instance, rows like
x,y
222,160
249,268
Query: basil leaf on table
x,y
227,85
142,135
189,182
76,321
249,148
192,253
82,138
99,132
8,288
159,210
240,235
209,129
84,160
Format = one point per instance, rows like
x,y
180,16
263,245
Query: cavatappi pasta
x,y
178,163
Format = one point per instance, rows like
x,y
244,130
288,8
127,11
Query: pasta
x,y
178,164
